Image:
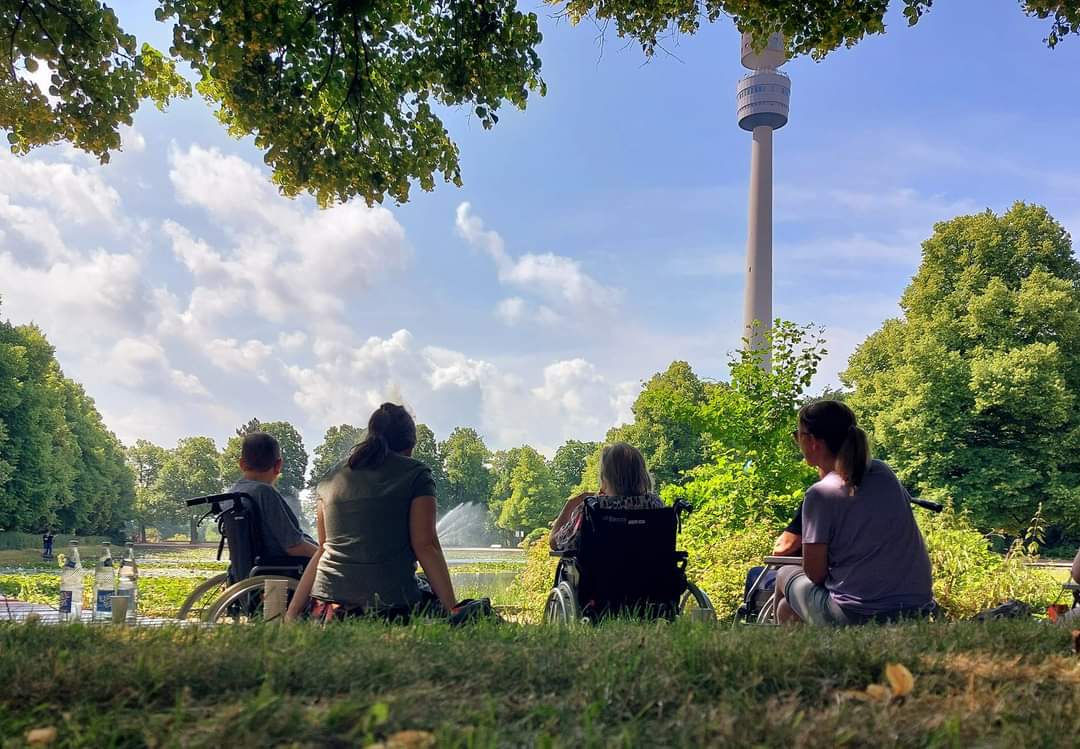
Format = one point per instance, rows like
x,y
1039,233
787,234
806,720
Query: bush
x,y
970,577
531,586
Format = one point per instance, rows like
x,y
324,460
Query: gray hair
x,y
622,469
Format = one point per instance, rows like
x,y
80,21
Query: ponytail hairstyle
x,y
390,429
833,422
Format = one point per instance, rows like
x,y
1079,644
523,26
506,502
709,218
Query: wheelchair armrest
x,y
781,561
681,556
1075,587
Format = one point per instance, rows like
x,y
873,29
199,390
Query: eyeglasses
x,y
795,435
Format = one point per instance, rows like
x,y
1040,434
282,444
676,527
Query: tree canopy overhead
x,y
813,27
341,96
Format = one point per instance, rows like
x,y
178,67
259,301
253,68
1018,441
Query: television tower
x,y
762,102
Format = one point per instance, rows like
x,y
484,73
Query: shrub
x,y
530,588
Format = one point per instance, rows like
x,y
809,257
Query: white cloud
x,y
511,310
142,363
233,356
67,191
559,280
292,341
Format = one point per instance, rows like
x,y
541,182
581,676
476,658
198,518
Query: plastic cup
x,y
275,600
119,609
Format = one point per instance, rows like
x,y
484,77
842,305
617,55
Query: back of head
x,y
623,471
260,451
833,422
390,429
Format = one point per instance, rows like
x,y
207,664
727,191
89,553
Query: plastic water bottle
x,y
127,584
104,584
71,586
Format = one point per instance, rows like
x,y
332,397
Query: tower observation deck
x,y
762,105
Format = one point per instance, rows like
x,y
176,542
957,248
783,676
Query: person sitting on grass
x,y
624,485
376,518
279,530
864,557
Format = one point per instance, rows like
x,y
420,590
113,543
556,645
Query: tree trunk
x,y
194,534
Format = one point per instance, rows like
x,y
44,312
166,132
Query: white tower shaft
x,y
757,300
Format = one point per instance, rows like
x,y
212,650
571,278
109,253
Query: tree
x,y
814,27
337,443
97,75
973,393
192,469
465,458
568,465
342,97
293,455
145,459
664,428
427,451
60,467
503,463
534,500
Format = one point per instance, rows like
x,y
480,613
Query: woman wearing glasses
x,y
864,558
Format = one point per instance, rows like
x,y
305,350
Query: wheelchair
x,y
239,595
626,564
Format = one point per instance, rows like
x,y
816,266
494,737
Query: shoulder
x,y
405,464
257,489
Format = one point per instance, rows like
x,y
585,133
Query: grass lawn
x,y
1005,684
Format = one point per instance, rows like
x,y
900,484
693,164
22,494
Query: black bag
x,y
470,610
1011,609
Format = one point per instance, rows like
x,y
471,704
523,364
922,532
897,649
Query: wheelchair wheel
x,y
208,591
561,606
696,605
243,602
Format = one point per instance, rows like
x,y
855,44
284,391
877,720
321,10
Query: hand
x,y
787,544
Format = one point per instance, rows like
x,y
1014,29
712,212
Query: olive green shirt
x,y
368,559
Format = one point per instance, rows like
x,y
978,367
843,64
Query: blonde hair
x,y
623,470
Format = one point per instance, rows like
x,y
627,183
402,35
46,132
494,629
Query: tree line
x,y
60,467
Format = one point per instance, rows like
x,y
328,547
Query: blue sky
x,y
599,235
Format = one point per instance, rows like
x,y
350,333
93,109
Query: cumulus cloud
x,y
69,192
142,363
558,280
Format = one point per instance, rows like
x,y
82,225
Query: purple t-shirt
x,y
877,556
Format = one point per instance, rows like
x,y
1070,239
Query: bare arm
x,y
303,549
815,562
787,544
425,544
564,516
303,590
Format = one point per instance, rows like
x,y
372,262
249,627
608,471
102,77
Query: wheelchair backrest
x,y
627,558
239,526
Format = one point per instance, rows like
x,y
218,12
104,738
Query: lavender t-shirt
x,y
877,557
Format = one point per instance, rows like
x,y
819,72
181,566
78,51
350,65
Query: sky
x,y
599,235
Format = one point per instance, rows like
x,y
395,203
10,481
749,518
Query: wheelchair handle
x,y
926,504
682,506
215,498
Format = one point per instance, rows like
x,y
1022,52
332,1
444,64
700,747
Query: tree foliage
x,y
337,443
974,391
568,465
192,469
343,98
814,27
664,428
465,460
293,455
427,451
60,467
534,500
97,74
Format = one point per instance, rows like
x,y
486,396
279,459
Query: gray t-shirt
x,y
279,527
877,557
368,559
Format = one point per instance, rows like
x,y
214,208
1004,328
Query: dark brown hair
x,y
390,429
260,451
623,469
834,422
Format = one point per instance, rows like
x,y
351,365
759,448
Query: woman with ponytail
x,y
376,519
864,558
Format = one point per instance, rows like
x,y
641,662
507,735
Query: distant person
x,y
864,558
624,485
376,518
279,531
47,545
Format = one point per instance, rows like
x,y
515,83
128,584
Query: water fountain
x,y
465,526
